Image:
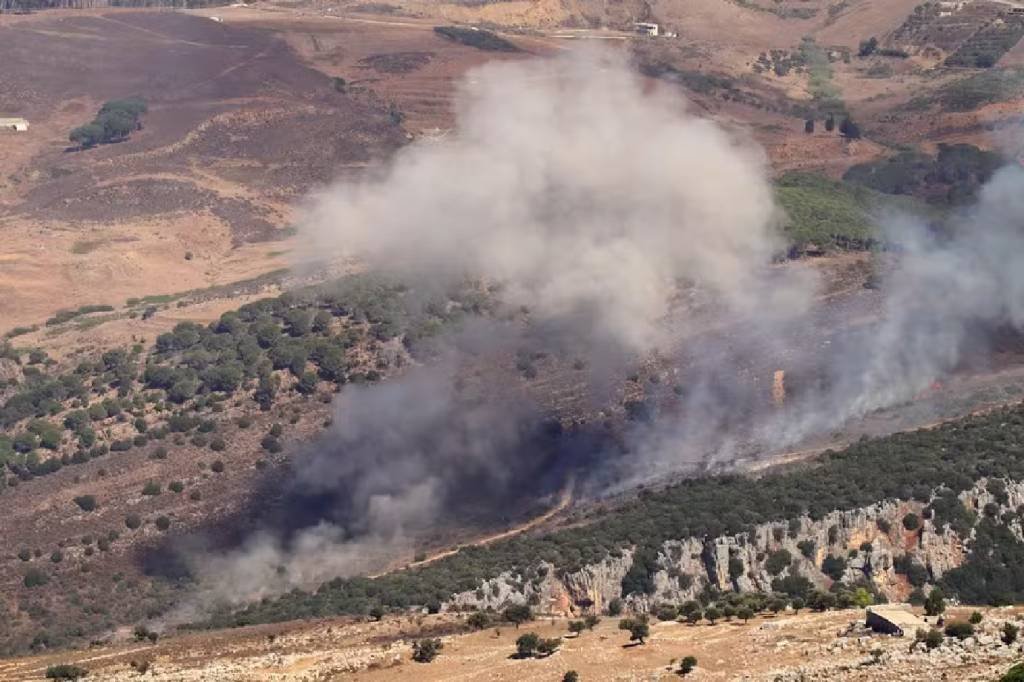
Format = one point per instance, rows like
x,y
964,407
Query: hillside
x,y
329,327
808,645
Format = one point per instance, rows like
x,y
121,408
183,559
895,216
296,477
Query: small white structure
x,y
16,124
645,28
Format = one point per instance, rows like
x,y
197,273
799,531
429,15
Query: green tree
x,y
712,614
639,631
546,647
87,136
526,645
518,614
1010,632
426,650
959,629
849,129
687,665
576,627
745,613
478,620
935,603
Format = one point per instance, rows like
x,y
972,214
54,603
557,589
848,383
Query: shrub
x,y
217,466
35,578
1010,632
975,618
911,522
271,444
176,486
24,554
218,444
478,620
933,639
151,489
806,548
571,676
65,671
687,665
132,521
426,650
959,629
163,523
778,561
86,503
526,645
1014,674
518,614
57,556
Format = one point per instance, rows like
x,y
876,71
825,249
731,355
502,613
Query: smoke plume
x,y
602,205
582,190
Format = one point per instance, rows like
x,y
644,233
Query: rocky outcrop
x,y
855,546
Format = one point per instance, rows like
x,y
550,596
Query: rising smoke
x,y
597,201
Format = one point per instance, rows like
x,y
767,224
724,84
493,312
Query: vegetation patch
x,y
115,121
953,177
476,37
947,459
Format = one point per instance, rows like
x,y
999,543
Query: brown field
x,y
810,643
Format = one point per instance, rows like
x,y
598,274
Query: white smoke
x,y
582,189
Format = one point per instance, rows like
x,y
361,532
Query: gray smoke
x,y
620,219
587,193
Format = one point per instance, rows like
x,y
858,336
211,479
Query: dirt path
x,y
564,500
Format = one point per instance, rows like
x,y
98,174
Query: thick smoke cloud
x,y
582,190
603,206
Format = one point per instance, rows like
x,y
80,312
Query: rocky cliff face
x,y
869,540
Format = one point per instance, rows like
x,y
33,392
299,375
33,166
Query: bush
x,y
35,578
86,503
478,620
518,614
959,629
933,639
615,607
132,521
176,486
911,522
687,665
218,444
526,645
1010,632
1014,674
151,489
163,523
975,618
217,466
57,556
65,671
426,650
778,561
271,444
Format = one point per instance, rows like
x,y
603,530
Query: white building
x,y
646,28
17,124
